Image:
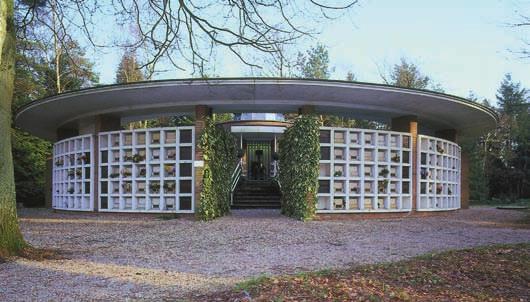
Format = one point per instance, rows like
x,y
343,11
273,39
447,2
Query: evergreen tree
x,y
314,64
407,74
129,70
511,97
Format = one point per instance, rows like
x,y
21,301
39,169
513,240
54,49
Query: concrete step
x,y
256,206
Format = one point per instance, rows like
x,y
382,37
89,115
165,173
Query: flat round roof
x,y
139,100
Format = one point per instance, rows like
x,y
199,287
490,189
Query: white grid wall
x,y
147,170
364,171
439,169
73,174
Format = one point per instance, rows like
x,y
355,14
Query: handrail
x,y
236,175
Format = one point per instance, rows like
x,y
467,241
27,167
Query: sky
x,y
464,45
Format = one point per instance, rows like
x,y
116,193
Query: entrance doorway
x,y
258,159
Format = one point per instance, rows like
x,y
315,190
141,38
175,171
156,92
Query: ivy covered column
x,y
299,167
409,124
202,112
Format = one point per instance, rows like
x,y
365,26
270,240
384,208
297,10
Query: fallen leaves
x,y
480,274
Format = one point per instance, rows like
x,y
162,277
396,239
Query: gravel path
x,y
113,257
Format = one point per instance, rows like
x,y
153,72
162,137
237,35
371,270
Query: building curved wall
x,y
439,173
73,174
143,170
364,171
153,170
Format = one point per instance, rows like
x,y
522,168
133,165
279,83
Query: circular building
x,y
416,165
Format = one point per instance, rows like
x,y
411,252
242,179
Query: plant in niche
x,y
395,158
127,187
114,175
82,158
71,173
439,189
78,172
382,186
171,155
170,170
71,190
384,172
142,172
59,162
169,187
440,149
154,187
337,173
126,172
128,158
136,158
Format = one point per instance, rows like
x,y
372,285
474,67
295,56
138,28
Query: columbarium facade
x,y
416,165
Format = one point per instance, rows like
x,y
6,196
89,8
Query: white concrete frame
x,y
161,148
439,171
361,155
73,175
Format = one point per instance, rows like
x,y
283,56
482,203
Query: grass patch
x,y
491,273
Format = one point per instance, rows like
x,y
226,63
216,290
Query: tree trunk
x,y
11,240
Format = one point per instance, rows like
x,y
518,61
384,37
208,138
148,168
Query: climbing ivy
x,y
219,153
299,165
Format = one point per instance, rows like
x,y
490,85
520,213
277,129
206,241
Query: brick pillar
x,y
306,109
409,123
201,113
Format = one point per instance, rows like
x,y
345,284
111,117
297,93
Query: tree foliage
x,y
500,159
299,165
406,74
314,64
129,70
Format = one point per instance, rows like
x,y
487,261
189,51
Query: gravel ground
x,y
118,257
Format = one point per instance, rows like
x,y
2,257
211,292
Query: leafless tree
x,y
181,32
524,25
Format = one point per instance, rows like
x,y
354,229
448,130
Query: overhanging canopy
x,y
349,99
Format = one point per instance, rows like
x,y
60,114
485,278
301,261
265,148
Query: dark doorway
x,y
258,159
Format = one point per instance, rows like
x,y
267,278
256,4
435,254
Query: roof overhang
x,y
349,99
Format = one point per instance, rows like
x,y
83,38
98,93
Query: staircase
x,y
256,194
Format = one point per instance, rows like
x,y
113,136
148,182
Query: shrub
x,y
299,161
219,152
